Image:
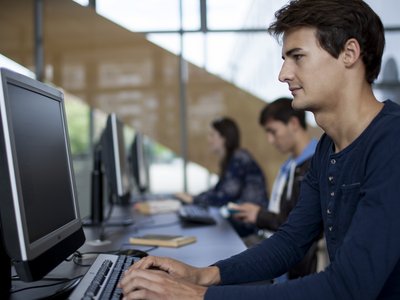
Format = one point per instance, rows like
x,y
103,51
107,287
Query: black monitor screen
x,y
45,183
39,218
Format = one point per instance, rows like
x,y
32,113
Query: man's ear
x,y
351,52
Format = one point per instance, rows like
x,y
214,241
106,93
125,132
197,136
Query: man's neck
x,y
348,118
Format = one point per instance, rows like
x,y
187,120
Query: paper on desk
x,y
162,240
158,206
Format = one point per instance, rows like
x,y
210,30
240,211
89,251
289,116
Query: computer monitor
x,y
115,161
109,159
39,215
139,164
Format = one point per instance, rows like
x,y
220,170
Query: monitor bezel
x,y
22,249
116,151
112,140
139,163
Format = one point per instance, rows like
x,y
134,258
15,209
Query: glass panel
x,y
227,14
388,10
169,41
388,84
200,179
82,2
191,14
78,125
163,162
194,48
99,123
141,15
391,52
82,170
251,61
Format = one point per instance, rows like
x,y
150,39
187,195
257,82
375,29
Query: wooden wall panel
x,y
116,70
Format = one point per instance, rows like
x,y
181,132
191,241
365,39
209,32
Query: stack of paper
x,y
158,206
162,240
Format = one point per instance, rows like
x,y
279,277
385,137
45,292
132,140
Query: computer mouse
x,y
133,252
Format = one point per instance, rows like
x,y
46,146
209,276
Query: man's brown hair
x,y
337,21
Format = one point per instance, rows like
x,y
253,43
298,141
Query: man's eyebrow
x,y
290,52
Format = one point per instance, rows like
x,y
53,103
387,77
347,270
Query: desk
x,y
214,242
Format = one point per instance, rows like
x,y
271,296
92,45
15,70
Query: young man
x,y
286,129
332,52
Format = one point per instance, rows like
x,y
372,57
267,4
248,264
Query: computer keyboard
x,y
100,281
196,214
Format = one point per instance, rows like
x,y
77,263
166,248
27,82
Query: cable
x,y
46,285
17,278
65,291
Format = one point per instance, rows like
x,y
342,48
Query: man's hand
x,y
248,212
164,278
155,284
179,270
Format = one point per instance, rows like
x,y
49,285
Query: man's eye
x,y
297,57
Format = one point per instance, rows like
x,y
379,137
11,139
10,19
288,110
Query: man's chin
x,y
298,104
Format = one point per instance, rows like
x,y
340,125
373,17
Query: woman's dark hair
x,y
281,110
228,129
337,21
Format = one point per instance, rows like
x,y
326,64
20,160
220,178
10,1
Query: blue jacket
x,y
355,195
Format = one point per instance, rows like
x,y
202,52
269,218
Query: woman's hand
x,y
184,197
247,212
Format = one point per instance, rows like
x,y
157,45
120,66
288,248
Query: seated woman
x,y
240,177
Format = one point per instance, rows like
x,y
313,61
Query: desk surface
x,y
214,242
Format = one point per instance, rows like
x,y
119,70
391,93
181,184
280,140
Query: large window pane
x,y
227,14
150,15
78,125
388,10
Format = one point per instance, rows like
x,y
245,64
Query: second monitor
x,y
139,164
115,160
125,174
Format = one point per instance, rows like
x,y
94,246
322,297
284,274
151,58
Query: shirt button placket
x,y
330,204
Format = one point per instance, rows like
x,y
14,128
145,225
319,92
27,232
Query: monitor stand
x,y
96,202
97,218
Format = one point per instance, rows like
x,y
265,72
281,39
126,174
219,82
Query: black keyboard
x,y
100,281
196,214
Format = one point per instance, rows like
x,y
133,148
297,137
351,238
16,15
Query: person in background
x,y
332,53
286,129
241,179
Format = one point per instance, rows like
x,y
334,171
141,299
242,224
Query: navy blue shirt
x,y
355,195
242,181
